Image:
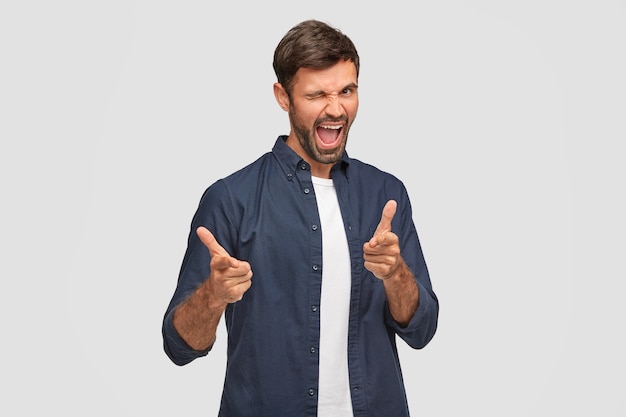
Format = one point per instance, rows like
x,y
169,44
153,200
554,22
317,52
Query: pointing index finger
x,y
210,242
385,220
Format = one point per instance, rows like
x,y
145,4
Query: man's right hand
x,y
230,278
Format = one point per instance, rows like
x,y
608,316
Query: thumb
x,y
385,220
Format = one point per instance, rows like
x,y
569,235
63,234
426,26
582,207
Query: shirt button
x,y
314,227
306,191
303,167
312,349
314,309
289,177
311,392
315,267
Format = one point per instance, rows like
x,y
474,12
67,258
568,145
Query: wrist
x,y
210,299
400,274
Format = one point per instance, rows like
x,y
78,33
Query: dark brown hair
x,y
311,44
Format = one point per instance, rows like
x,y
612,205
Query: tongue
x,y
328,135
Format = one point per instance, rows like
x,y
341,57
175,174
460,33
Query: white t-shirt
x,y
334,384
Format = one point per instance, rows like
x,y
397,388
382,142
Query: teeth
x,y
331,127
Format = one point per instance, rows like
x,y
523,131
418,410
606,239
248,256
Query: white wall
x,y
504,119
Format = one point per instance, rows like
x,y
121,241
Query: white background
x,y
505,120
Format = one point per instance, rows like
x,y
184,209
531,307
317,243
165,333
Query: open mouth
x,y
329,135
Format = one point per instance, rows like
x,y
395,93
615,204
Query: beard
x,y
308,140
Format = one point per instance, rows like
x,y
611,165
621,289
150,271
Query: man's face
x,y
323,105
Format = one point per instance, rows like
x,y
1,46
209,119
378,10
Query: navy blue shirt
x,y
266,214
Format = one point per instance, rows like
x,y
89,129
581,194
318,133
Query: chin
x,y
330,156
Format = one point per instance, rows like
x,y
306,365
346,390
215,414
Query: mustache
x,y
331,120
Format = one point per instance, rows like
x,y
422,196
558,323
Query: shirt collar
x,y
290,161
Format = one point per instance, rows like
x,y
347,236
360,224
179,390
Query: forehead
x,y
331,79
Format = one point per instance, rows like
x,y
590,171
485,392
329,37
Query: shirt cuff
x,y
175,346
420,329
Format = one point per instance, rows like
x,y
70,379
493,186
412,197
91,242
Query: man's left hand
x,y
382,252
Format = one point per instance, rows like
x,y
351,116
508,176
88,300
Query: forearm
x,y
402,294
197,318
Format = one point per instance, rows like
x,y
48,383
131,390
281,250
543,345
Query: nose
x,y
334,107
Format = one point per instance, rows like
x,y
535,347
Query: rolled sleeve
x,y
175,347
423,324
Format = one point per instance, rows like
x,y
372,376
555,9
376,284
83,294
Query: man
x,y
338,268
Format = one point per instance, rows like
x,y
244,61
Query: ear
x,y
281,96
